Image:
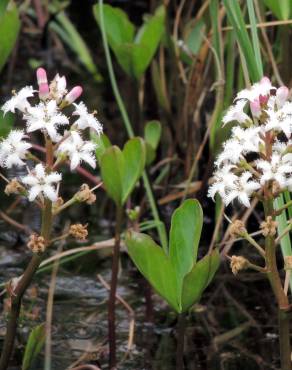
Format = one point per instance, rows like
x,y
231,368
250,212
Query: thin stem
x,y
284,337
16,297
160,226
17,294
180,341
113,290
251,240
285,232
282,299
281,209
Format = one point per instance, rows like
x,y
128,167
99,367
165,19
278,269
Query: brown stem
x,y
180,341
282,299
17,294
19,291
113,289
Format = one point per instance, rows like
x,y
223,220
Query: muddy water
x,y
234,328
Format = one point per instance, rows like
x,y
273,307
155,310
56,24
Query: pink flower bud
x,y
73,94
43,83
265,81
281,95
263,99
44,91
255,108
41,76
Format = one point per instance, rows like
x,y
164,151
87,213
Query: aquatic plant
x,y
256,162
43,112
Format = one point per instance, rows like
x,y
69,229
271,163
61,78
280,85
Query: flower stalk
x,y
113,290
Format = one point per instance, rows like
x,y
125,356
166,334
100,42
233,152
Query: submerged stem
x,y
113,290
180,341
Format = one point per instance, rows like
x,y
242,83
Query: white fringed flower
x,y
278,168
46,117
258,154
58,88
86,119
258,89
41,183
242,189
223,180
19,100
78,150
13,149
236,113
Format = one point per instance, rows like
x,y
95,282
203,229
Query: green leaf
x,y
176,276
34,345
120,34
148,39
254,34
281,9
3,6
6,123
236,19
152,134
155,265
9,28
198,279
185,233
102,142
194,35
120,170
118,27
70,35
134,54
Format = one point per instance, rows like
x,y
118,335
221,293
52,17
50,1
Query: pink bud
x,y
265,81
255,108
281,95
44,91
43,83
42,76
73,94
263,99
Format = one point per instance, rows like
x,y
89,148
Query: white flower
x,y
13,149
46,117
248,138
41,183
258,89
224,179
242,189
19,100
280,120
86,119
232,152
78,150
58,88
278,168
236,113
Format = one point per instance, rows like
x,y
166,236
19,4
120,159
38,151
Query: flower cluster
x,y
257,158
47,116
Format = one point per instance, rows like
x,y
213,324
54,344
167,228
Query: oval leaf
x,y
111,165
134,154
154,265
198,279
185,233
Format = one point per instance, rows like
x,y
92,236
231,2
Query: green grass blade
x,y
282,224
254,35
236,19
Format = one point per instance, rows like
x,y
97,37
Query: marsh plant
x,y
256,162
55,125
